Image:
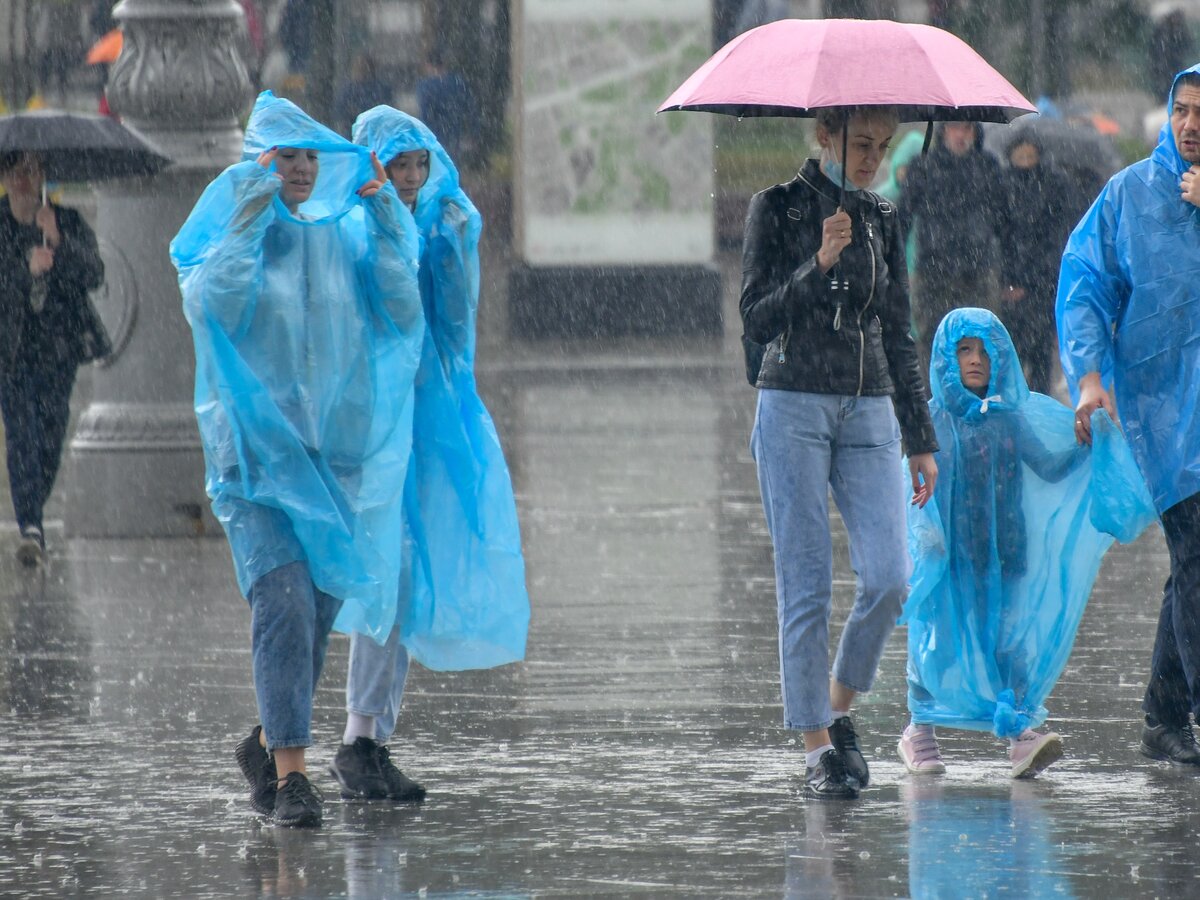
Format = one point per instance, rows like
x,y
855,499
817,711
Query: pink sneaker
x,y
1033,753
919,749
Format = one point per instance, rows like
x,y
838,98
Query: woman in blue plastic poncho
x,y
463,603
299,276
1006,552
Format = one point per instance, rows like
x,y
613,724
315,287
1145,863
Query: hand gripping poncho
x,y
468,607
307,331
1129,308
1005,554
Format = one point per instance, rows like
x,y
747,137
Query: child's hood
x,y
1006,388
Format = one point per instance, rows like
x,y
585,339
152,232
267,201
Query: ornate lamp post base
x,y
137,465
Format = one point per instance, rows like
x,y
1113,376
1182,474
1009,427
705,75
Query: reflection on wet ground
x,y
637,751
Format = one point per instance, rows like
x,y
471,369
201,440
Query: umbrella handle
x,y
845,142
44,241
928,136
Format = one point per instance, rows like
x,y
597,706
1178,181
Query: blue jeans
x,y
805,444
375,682
290,624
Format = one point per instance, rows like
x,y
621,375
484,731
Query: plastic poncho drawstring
x,y
1005,554
467,606
307,329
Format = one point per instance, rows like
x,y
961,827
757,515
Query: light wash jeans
x,y
290,622
375,682
805,444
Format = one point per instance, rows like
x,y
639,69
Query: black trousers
x,y
35,402
1174,688
1030,323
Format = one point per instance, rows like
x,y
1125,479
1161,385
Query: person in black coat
x,y
952,193
49,260
825,299
1037,209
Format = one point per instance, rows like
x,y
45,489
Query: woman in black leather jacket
x,y
825,289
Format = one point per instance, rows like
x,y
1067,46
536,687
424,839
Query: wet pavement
x,y
637,751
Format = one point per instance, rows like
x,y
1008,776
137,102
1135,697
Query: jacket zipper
x,y
862,338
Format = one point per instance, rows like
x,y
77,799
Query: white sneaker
x,y
1032,753
918,748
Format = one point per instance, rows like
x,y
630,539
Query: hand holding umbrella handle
x,y
836,234
47,221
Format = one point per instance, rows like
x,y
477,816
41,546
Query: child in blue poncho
x,y
1006,552
463,602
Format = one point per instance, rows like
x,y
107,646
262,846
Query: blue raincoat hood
x,y
307,330
1128,307
275,122
1005,553
467,606
1007,387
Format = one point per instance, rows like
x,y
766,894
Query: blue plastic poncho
x,y
308,332
468,607
1128,307
1005,553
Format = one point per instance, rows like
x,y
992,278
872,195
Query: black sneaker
x,y
400,787
829,780
298,803
32,549
1170,743
843,737
356,767
259,768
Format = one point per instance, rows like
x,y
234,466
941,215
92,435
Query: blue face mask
x,y
833,171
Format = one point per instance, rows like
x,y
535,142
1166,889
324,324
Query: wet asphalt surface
x,y
637,751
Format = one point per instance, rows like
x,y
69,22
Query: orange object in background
x,y
107,49
1104,124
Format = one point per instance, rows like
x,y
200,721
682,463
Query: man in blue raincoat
x,y
463,602
298,269
1129,317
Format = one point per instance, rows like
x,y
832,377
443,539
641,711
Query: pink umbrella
x,y
794,67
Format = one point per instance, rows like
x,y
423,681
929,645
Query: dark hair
x,y
1189,79
10,159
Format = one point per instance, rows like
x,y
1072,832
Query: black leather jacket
x,y
843,333
62,334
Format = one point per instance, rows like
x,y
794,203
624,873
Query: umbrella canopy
x,y
794,67
79,147
1085,156
1063,145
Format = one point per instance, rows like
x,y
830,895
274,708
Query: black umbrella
x,y
79,147
1066,147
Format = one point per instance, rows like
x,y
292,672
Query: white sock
x,y
840,713
812,757
358,725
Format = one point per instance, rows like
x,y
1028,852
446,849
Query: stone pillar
x,y
137,468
